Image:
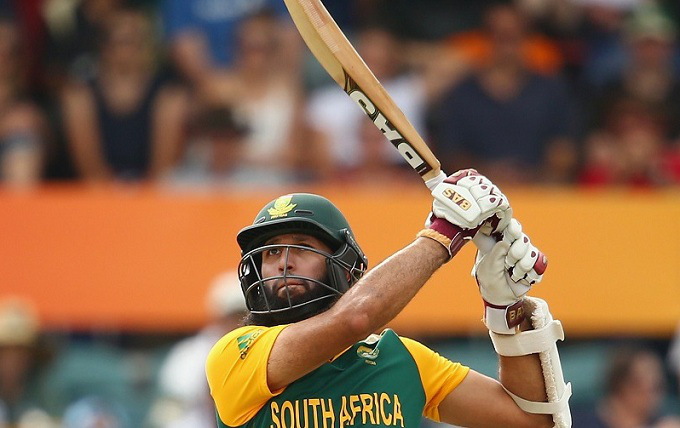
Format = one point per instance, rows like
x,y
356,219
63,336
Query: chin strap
x,y
542,340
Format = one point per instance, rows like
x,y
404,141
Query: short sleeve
x,y
438,375
236,369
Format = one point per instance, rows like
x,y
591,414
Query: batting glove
x,y
505,275
462,204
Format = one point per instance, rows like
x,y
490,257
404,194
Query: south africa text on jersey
x,y
376,409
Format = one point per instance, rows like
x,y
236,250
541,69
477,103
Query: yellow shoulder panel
x,y
438,375
236,369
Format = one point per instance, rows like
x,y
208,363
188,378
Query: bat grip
x,y
434,182
484,242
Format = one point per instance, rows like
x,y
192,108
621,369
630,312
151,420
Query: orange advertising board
x,y
140,259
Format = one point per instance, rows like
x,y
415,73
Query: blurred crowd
x,y
195,93
47,381
220,93
76,383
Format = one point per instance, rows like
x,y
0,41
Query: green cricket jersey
x,y
383,381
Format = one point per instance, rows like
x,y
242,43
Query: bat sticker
x,y
406,149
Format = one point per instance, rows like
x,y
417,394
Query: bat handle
x,y
434,182
484,242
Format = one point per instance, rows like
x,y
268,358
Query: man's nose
x,y
286,262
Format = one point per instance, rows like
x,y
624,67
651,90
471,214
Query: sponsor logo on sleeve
x,y
246,341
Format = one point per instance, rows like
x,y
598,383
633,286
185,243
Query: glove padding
x,y
463,203
505,275
524,261
467,199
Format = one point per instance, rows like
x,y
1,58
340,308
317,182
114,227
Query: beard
x,y
299,291
305,309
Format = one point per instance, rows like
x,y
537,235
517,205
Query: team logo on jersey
x,y
282,207
246,341
369,355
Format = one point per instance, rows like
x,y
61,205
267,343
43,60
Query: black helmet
x,y
306,214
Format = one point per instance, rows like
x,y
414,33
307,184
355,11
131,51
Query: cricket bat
x,y
342,62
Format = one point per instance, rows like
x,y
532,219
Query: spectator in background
x,y
23,129
560,23
215,151
338,124
674,357
126,123
510,122
632,149
430,20
601,33
184,395
6,8
539,53
74,29
634,391
20,397
377,166
27,15
203,34
268,101
649,75
95,412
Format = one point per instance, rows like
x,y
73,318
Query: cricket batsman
x,y
309,355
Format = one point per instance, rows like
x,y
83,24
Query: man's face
x,y
15,364
643,392
295,262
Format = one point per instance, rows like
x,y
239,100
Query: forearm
x,y
87,155
523,376
83,135
462,202
170,114
90,164
387,288
530,370
368,305
382,293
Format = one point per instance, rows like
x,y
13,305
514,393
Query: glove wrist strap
x,y
504,319
444,240
439,237
449,235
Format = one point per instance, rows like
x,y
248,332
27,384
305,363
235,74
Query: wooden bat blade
x,y
309,22
337,55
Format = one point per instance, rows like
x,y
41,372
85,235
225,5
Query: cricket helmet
x,y
307,214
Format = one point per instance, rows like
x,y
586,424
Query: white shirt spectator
x,y
332,113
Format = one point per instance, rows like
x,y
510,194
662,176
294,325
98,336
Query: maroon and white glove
x,y
525,263
462,204
505,274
